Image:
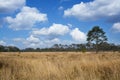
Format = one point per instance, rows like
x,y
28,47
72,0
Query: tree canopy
x,y
97,36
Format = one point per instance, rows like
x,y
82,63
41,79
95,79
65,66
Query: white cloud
x,y
2,42
45,37
51,35
26,19
11,5
94,10
30,41
18,39
78,35
36,42
53,41
40,38
33,39
116,27
42,43
54,30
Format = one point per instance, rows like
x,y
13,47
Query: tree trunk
x,y
96,46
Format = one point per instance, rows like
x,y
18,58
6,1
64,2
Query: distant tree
x,y
97,36
1,48
13,49
38,49
29,50
55,46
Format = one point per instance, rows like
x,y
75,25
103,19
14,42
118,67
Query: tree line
x,y
96,41
61,47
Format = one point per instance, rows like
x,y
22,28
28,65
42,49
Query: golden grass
x,y
59,66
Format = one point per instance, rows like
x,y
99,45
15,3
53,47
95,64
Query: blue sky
x,y
42,23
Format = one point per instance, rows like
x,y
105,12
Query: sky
x,y
42,23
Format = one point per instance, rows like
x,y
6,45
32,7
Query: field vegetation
x,y
59,66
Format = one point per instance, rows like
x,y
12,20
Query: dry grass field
x,y
59,66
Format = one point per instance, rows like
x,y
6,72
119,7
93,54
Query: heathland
x,y
59,66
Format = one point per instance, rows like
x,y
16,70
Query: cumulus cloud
x,y
51,35
18,39
78,35
36,42
41,43
45,37
2,42
30,41
11,5
33,39
26,19
116,27
48,36
94,10
55,30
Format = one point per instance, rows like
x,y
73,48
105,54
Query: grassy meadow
x,y
59,66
